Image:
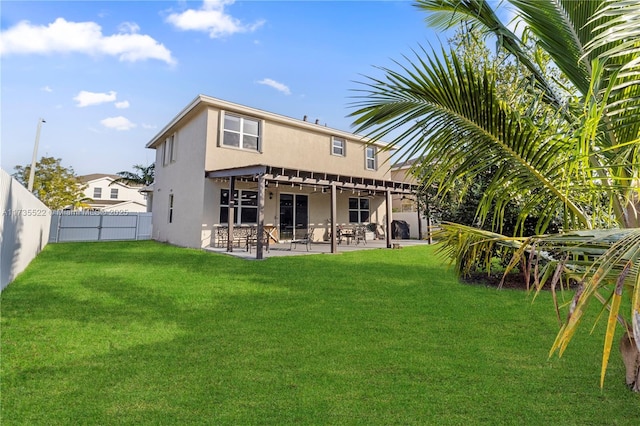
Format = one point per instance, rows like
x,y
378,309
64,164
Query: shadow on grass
x,y
146,333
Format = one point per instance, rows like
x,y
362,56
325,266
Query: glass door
x,y
294,216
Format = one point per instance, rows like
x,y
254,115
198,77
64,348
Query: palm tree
x,y
143,176
572,150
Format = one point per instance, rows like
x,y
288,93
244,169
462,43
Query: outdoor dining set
x,y
247,236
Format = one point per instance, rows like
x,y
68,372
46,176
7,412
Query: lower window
x,y
246,206
358,210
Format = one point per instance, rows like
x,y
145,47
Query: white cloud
x,y
118,123
85,98
149,126
276,85
129,28
122,105
47,89
62,36
213,19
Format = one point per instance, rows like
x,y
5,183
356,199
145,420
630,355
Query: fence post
x,y
100,228
59,217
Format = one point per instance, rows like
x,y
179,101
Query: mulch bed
x,y
512,281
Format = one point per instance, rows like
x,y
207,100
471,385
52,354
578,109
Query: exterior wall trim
x,y
206,101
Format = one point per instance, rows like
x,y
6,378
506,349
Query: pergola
x,y
263,174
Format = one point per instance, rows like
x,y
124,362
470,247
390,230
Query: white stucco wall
x,y
24,230
127,206
412,219
184,179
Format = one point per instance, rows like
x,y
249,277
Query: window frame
x,y
170,212
172,148
359,209
343,148
373,158
97,193
165,153
114,191
241,132
169,150
243,204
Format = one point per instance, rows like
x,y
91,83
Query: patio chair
x,y
252,240
359,234
306,239
222,236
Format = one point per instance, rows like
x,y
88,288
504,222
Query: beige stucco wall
x,y
185,179
319,208
307,147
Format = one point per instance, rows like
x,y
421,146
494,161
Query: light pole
x,y
32,172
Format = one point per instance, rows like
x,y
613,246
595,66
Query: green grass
x,y
144,333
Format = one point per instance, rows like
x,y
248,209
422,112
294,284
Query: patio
x,y
316,247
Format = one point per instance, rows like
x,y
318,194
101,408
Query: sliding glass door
x,y
294,216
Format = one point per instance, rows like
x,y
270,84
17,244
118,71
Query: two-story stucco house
x,y
105,195
218,160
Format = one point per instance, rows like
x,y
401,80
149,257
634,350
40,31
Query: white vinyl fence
x,y
99,226
24,229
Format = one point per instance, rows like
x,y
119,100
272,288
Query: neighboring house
x,y
400,172
105,195
274,171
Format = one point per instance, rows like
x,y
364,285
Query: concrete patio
x,y
319,247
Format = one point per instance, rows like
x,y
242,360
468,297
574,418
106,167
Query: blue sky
x,y
107,76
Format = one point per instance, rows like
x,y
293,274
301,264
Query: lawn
x,y
145,333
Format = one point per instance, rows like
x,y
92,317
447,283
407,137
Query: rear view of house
x,y
288,175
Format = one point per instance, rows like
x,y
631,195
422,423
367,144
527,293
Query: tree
x,y
142,176
568,145
55,185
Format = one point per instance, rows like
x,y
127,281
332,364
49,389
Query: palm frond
x,y
563,28
144,176
445,14
448,114
618,32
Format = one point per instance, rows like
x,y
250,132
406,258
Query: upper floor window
x,y
338,146
169,152
114,193
241,132
97,192
165,153
370,155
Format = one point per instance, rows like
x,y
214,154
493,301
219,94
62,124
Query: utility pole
x,y
32,172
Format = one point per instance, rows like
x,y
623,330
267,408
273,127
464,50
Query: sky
x,y
107,76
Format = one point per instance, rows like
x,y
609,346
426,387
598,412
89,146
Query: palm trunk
x,y
631,359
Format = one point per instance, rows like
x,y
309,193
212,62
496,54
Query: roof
x,y
405,164
96,176
311,178
203,101
112,202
